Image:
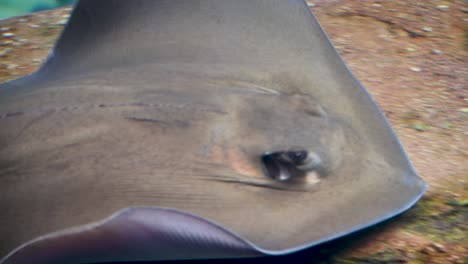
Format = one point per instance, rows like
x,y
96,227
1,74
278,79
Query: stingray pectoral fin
x,y
155,233
135,234
180,119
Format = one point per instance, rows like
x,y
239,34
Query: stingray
x,y
161,130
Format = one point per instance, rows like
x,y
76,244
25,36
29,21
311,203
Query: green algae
x,y
439,219
388,256
462,203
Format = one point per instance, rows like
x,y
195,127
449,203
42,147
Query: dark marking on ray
x,y
9,168
149,120
288,188
89,107
176,123
14,114
318,112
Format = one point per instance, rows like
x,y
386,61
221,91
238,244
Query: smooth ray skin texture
x,y
141,137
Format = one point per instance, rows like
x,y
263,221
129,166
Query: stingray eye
x,y
310,161
288,165
275,167
297,157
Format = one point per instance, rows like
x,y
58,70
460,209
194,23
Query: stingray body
x,y
192,129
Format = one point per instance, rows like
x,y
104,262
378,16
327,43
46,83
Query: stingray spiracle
x,y
290,165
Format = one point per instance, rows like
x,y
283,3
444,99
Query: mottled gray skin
x,y
171,104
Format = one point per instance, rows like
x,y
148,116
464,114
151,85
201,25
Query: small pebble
x,y
374,80
33,26
62,22
428,250
436,51
427,29
6,43
438,247
442,7
37,60
311,4
411,49
3,29
454,259
415,69
376,5
5,51
8,35
12,66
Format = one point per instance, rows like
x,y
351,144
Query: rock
x,y
446,125
415,69
8,35
464,110
5,51
436,51
62,22
420,127
442,7
428,250
12,66
6,43
433,248
438,247
427,29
